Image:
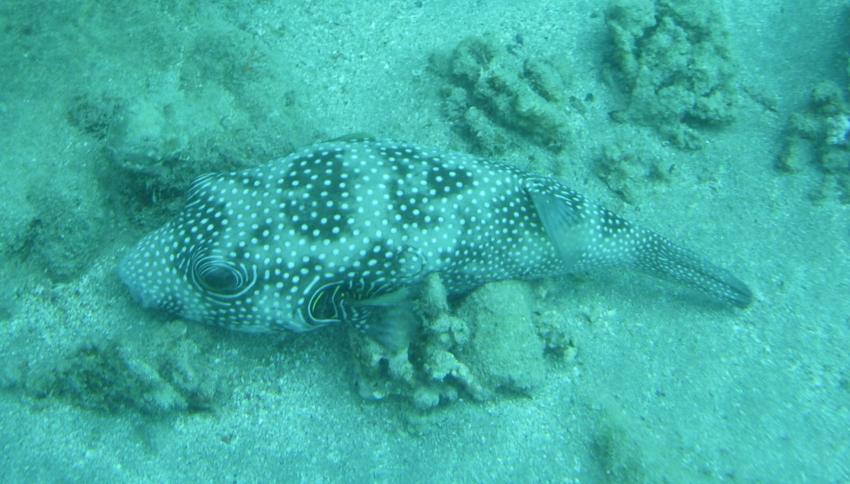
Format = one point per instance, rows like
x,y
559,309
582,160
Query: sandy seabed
x,y
107,110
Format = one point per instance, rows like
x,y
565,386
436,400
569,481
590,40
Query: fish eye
x,y
220,277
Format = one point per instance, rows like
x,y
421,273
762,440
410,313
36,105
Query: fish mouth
x,y
127,273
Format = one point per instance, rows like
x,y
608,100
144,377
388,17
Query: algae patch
x,y
116,376
629,170
218,99
673,62
492,345
66,233
819,136
494,95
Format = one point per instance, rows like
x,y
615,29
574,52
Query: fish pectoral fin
x,y
393,327
395,323
560,211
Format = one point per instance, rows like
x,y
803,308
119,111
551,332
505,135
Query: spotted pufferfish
x,y
336,232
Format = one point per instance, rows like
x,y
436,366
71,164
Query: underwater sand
x,y
663,386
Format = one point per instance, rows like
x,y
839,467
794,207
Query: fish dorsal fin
x,y
563,214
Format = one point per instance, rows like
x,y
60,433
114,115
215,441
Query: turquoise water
x,y
723,125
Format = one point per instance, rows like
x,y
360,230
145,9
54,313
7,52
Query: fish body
x,y
330,233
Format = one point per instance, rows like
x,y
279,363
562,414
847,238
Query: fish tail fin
x,y
586,236
662,258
